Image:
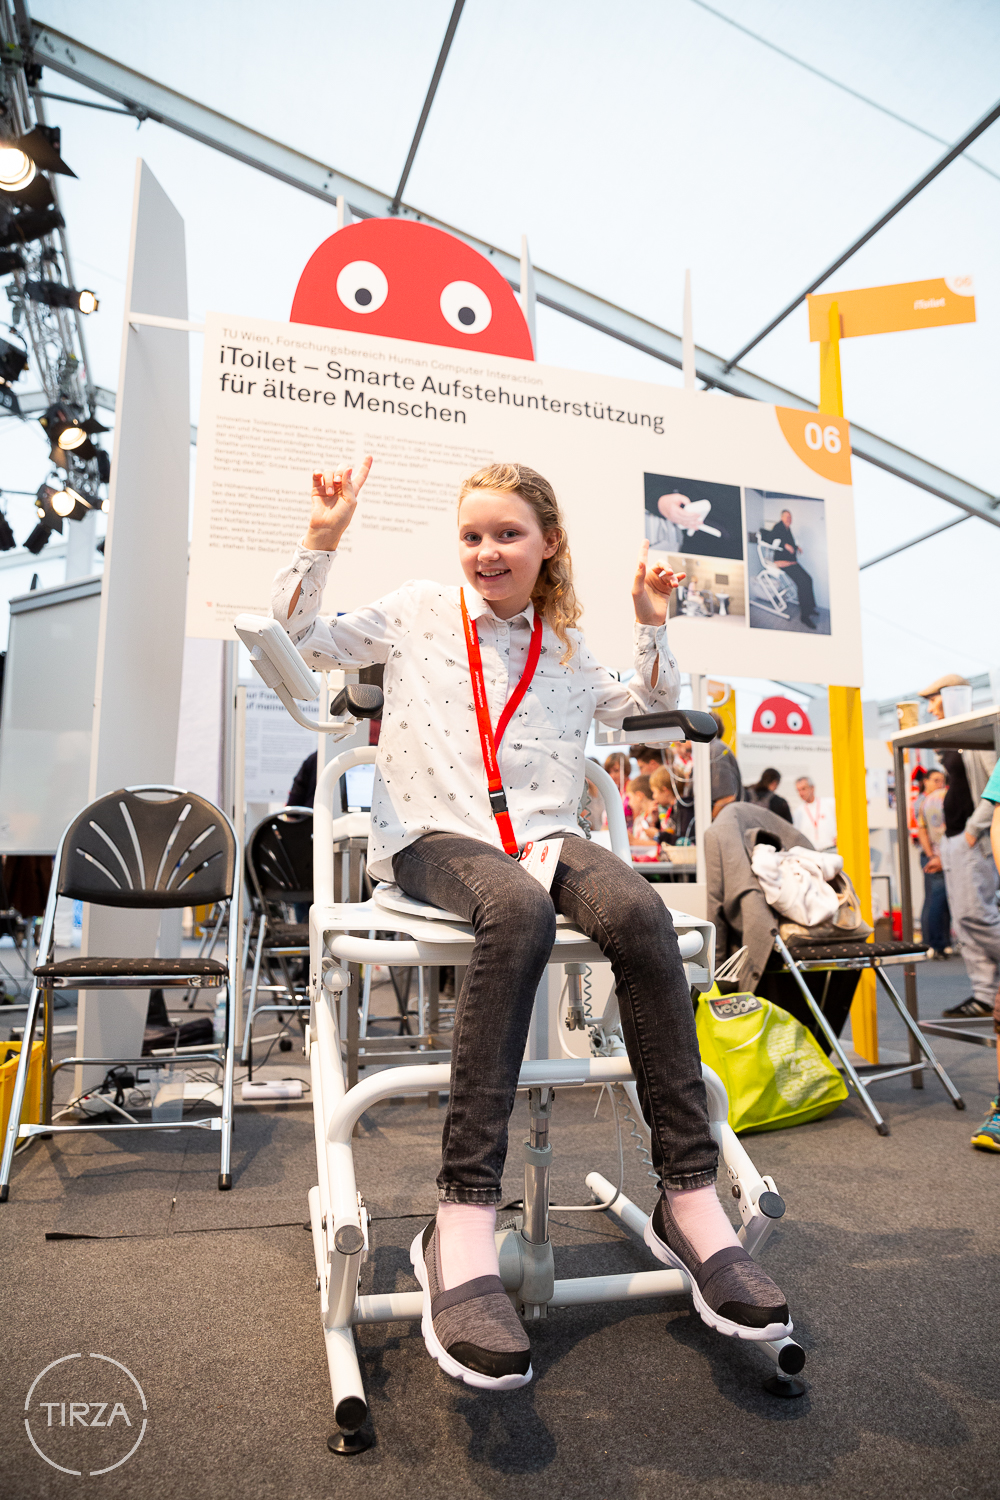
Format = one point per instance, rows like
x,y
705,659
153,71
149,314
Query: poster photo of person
x,y
693,516
788,567
714,589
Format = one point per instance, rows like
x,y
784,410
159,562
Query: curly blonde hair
x,y
553,595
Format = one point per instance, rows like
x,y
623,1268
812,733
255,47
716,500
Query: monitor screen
x,y
359,781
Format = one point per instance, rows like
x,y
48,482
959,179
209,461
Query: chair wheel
x,y
225,1182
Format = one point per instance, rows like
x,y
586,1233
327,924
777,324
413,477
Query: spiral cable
x,y
623,1104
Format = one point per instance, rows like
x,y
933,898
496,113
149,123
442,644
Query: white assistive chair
x,y
774,592
425,935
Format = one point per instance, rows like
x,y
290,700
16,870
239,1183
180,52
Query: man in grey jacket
x,y
970,875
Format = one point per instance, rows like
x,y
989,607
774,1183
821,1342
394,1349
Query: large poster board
x,y
282,399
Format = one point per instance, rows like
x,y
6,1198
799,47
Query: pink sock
x,y
465,1239
701,1218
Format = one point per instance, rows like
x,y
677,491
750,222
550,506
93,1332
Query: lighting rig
x,y
47,309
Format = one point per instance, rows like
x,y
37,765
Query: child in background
x,y
618,766
662,787
645,813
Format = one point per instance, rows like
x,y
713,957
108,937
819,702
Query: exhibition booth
x,y
219,787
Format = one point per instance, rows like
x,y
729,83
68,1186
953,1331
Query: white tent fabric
x,y
629,143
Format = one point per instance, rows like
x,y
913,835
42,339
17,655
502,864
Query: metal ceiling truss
x,y
146,99
55,334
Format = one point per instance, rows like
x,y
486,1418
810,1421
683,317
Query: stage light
x,y
54,294
105,505
11,260
64,502
72,436
7,541
103,466
36,541
12,361
16,169
29,224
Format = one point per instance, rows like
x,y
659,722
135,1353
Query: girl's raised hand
x,y
334,500
651,589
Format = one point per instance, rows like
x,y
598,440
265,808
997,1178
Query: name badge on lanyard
x,y
489,743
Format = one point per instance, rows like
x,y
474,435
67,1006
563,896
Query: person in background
x,y
935,918
765,794
816,817
987,1137
649,758
617,766
727,783
786,557
644,810
970,876
662,787
303,792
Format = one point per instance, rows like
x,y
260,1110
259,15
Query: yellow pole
x,y
848,742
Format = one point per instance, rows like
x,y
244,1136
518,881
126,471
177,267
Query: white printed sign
x,y
275,745
705,478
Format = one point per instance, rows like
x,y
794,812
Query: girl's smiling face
x,y
502,547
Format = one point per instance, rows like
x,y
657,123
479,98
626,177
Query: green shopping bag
x,y
775,1072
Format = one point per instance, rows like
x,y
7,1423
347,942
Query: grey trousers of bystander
x,y
970,878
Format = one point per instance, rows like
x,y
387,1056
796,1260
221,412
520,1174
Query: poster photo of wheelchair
x,y
751,558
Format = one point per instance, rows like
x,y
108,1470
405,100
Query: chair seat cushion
x,y
813,951
100,968
287,935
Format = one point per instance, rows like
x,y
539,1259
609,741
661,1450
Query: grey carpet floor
x,y
888,1256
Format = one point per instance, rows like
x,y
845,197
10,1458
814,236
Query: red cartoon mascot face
x,y
409,281
781,716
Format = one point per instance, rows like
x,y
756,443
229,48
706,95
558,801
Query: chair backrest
x,y
765,554
279,856
148,846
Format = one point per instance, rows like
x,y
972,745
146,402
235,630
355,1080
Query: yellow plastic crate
x,y
33,1092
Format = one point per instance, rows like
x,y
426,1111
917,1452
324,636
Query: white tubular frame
x,y
337,1213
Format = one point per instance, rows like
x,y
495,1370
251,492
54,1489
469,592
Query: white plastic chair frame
x,y
774,588
338,1215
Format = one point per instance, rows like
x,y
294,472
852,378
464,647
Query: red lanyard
x,y
498,800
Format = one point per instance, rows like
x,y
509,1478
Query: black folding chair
x,y
802,957
279,863
141,847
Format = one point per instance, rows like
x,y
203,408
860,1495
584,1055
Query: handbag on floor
x,y
775,1072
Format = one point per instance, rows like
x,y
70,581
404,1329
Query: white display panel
x,y
280,400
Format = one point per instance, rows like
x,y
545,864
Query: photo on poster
x,y
788,563
693,516
714,589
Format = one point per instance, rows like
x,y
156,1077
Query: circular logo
x,y
85,1414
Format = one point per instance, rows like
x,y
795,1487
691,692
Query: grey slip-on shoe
x,y
731,1293
472,1331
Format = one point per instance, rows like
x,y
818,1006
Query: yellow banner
x,y
891,309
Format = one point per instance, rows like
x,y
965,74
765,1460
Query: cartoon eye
x,y
768,718
466,307
362,287
795,722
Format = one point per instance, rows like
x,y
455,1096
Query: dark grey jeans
x,y
515,923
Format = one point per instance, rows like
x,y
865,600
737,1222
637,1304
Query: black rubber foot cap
x,y
225,1182
959,1103
4,1192
775,1385
882,1129
347,1444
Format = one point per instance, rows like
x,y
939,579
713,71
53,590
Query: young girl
x,y
442,836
